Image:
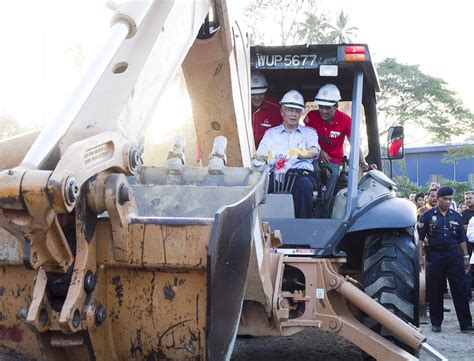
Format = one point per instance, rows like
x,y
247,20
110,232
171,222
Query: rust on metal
x,y
10,194
118,289
72,316
118,215
16,288
14,334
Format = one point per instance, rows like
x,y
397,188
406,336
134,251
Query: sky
x,y
39,39
436,35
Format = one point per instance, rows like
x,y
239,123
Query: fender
x,y
392,213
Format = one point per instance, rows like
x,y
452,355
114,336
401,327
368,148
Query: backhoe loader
x,y
105,259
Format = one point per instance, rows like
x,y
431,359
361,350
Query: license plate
x,y
288,61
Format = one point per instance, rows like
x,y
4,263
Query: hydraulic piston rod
x,y
124,26
401,330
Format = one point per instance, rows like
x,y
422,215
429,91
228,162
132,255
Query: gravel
x,y
315,344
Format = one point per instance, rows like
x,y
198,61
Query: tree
x,y
405,187
300,21
459,188
8,125
408,96
341,32
313,29
456,153
294,21
252,18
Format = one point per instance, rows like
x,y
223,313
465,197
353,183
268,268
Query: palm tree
x,y
312,30
342,33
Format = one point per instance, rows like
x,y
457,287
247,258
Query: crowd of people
x,y
446,234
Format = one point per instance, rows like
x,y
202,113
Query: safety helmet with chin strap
x,y
258,83
328,95
293,99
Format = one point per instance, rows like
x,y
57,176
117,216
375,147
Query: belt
x,y
442,248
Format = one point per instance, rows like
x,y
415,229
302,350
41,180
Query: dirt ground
x,y
317,345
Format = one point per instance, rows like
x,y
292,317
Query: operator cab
x,y
306,68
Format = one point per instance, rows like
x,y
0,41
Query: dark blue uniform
x,y
445,260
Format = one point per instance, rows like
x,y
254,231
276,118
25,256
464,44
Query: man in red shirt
x,y
395,148
265,110
332,126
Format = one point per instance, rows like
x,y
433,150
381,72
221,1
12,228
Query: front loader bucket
x,y
194,196
165,266
228,260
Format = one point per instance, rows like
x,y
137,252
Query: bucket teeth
x,y
176,159
218,157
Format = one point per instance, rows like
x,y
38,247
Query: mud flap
x,y
228,260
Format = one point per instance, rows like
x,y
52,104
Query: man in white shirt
x,y
291,148
470,230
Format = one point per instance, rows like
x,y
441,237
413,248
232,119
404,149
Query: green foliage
x,y
459,188
297,21
342,32
405,187
287,15
453,154
409,96
8,125
313,29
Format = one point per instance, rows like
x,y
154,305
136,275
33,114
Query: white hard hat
x,y
258,83
293,99
327,95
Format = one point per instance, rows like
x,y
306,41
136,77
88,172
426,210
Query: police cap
x,y
445,191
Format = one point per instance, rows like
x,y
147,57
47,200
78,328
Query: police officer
x,y
265,110
446,257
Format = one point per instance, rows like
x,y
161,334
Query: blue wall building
x,y
424,164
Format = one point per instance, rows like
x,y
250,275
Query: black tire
x,y
391,276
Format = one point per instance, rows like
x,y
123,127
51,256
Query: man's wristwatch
x,y
467,256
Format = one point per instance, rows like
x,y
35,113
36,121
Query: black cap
x,y
445,191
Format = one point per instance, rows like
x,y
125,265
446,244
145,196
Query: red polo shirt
x,y
331,136
265,117
395,147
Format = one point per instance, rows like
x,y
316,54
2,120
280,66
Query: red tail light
x,y
355,53
355,49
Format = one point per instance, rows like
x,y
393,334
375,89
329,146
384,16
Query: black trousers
x,y
441,265
300,183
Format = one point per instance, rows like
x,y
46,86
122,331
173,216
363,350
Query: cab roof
x,y
298,67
